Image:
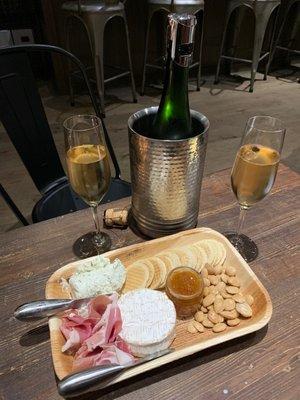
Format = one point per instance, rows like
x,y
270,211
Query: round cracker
x,y
217,249
224,254
201,257
151,270
137,275
191,256
186,257
173,257
167,261
205,246
160,272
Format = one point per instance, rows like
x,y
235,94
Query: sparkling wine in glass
x,y
254,172
89,175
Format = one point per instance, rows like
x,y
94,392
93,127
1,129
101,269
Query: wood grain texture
x,y
263,365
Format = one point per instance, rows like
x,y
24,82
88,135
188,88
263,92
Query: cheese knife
x,y
96,377
46,308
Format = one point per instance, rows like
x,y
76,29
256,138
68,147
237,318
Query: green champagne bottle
x,y
173,120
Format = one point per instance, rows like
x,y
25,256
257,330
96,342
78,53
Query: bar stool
x,y
176,6
262,10
94,15
278,45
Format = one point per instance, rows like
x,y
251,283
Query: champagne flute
x,y
254,172
89,175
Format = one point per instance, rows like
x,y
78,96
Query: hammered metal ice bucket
x,y
166,175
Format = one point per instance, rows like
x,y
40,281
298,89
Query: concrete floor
x,y
227,105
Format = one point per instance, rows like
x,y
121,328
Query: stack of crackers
x,y
152,272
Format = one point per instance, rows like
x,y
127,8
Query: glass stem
x,y
240,224
96,220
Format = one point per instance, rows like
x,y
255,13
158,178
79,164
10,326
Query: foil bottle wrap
x,y
166,175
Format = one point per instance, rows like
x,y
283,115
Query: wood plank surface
x,y
264,365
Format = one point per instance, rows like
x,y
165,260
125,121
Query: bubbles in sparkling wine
x,y
251,154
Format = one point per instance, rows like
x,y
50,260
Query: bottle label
x,y
183,54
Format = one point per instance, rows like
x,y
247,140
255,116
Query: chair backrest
x,y
23,116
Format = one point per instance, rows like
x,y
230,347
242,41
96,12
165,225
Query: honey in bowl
x,y
184,286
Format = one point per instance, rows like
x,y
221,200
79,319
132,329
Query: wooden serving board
x,y
185,343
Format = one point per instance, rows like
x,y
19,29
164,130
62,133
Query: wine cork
x,y
115,218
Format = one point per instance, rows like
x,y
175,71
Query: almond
x,y
229,304
244,309
249,299
221,318
213,316
225,295
220,327
230,314
232,289
239,298
214,280
204,272
212,289
206,291
199,316
233,322
210,269
191,328
220,286
234,281
218,269
230,271
218,305
208,300
198,326
206,282
204,309
224,278
207,323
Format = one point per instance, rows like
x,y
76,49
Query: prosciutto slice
x,y
94,338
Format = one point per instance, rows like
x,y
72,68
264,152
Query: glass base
x,y
244,245
91,244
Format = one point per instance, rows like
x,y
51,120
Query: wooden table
x,y
259,366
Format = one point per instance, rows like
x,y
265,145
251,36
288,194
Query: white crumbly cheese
x,y
148,321
98,276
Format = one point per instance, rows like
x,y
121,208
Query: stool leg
x,y
238,25
146,54
67,38
98,34
227,18
260,28
130,61
272,46
200,54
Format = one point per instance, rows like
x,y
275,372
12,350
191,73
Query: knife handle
x,y
41,309
85,381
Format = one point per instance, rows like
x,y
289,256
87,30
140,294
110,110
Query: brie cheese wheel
x,y
148,321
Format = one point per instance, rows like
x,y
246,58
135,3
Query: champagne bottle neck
x,y
181,38
173,117
173,120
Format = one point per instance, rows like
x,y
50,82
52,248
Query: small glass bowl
x,y
184,287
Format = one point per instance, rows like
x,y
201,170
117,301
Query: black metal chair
x,y
9,201
23,116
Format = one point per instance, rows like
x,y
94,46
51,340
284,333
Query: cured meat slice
x,y
92,334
